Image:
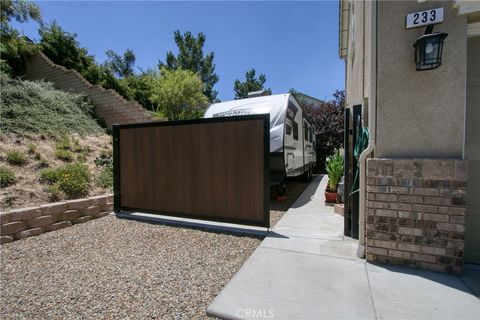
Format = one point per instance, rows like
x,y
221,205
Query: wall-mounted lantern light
x,y
428,50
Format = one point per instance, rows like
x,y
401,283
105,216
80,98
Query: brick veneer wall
x,y
109,105
416,213
27,222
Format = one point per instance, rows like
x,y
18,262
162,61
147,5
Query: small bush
x,y
16,157
81,158
31,148
49,176
105,177
64,155
42,164
74,180
77,147
63,143
54,193
7,177
105,158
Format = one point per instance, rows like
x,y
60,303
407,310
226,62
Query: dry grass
x,y
28,191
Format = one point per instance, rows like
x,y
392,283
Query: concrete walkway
x,y
307,269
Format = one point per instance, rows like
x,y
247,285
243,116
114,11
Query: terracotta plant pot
x,y
330,197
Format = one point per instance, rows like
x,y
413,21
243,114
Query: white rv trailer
x,y
292,135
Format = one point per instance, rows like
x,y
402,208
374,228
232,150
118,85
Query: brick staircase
x,y
109,105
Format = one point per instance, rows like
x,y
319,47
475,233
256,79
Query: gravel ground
x,y
112,268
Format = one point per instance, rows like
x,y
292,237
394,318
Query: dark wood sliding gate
x,y
212,169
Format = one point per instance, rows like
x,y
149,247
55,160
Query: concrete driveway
x,y
307,269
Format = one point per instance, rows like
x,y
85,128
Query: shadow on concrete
x,y
295,187
309,193
452,281
471,278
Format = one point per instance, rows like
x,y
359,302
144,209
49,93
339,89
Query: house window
x,y
288,129
305,131
295,130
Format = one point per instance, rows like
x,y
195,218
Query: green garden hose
x,y
360,145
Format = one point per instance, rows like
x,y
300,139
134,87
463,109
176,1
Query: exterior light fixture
x,y
428,50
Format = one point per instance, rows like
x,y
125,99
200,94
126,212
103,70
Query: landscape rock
x,y
24,213
12,227
28,233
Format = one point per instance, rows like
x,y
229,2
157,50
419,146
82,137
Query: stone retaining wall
x,y
109,105
416,213
27,222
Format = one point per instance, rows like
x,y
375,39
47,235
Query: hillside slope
x,y
109,105
31,107
51,146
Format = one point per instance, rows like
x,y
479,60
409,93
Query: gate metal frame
x,y
117,207
353,127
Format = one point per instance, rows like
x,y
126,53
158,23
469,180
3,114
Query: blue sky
x,y
295,44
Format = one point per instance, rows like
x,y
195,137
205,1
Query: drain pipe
x,y
362,182
371,106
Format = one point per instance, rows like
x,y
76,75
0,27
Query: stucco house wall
x,y
359,54
413,192
419,114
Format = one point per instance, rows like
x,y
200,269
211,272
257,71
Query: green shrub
x,y
36,108
42,163
54,193
64,155
77,147
74,180
81,158
63,143
105,158
14,47
49,176
7,177
31,148
16,157
105,177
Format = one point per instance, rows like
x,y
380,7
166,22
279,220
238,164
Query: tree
x,y
142,86
178,95
191,57
14,48
251,83
63,48
20,11
328,120
121,65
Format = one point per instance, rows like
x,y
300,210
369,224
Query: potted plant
x,y
334,166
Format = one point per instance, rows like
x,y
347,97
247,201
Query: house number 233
x,y
423,18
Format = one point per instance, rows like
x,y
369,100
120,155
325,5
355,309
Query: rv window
x,y
295,130
305,131
310,134
288,129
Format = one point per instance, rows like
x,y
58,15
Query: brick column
x,y
416,212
